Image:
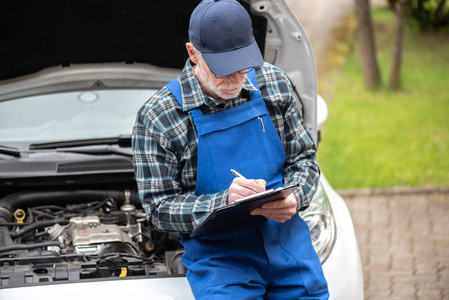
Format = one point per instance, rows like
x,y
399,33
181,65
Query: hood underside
x,y
41,34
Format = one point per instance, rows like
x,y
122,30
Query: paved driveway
x,y
403,237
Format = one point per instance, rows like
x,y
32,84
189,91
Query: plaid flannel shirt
x,y
165,148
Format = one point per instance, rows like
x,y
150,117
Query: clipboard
x,y
240,209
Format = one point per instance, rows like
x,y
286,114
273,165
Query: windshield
x,y
71,115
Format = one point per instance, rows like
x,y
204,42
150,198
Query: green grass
x,y
389,139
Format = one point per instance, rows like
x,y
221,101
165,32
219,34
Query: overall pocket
x,y
295,239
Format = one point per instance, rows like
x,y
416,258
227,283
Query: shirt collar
x,y
193,95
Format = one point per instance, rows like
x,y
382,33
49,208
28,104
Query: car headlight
x,y
319,217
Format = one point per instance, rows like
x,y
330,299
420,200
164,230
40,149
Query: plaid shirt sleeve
x,y
300,165
160,143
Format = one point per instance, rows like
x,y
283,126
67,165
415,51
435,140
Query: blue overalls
x,y
260,258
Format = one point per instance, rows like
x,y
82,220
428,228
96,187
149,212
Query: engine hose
x,y
26,198
13,224
37,225
29,246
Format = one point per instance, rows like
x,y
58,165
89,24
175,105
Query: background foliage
x,y
426,14
385,138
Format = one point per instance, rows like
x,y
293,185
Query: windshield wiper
x,y
122,141
10,151
97,150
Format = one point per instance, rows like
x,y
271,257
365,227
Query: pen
x,y
237,174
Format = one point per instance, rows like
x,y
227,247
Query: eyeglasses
x,y
244,71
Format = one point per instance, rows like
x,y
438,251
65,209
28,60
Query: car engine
x,y
75,235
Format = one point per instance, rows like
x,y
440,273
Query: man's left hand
x,y
279,210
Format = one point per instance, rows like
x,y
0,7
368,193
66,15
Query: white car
x,y
73,75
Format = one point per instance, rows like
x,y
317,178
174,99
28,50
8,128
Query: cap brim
x,y
229,62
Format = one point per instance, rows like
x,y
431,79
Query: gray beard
x,y
211,89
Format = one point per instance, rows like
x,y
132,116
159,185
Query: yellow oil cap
x,y
19,214
124,272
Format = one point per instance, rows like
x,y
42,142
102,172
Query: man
x,y
230,110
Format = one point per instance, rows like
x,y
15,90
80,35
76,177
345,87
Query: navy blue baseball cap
x,y
222,31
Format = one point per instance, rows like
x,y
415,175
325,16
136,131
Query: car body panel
x,y
83,46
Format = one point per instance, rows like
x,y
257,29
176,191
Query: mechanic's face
x,y
225,88
220,88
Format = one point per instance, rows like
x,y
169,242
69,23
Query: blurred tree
x,y
395,80
367,46
428,14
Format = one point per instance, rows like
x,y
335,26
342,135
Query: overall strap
x,y
175,88
253,78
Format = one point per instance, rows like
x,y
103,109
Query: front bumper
x,y
152,288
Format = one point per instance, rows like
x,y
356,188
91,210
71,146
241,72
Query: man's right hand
x,y
241,187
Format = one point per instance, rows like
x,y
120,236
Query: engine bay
x,y
72,235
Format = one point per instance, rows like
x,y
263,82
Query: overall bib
x,y
259,258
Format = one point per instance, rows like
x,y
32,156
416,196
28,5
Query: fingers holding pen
x,y
247,183
255,185
242,187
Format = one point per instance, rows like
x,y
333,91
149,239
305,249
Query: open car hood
x,y
60,33
85,43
